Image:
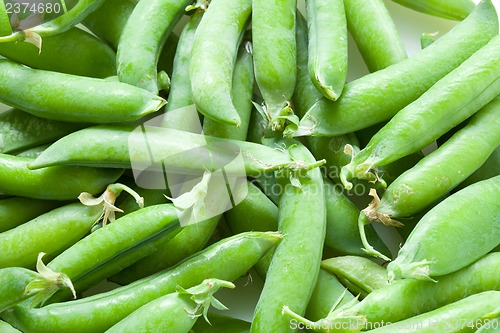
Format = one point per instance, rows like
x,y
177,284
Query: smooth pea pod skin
x,y
274,54
461,316
107,21
242,87
5,26
470,216
213,55
72,98
376,36
180,111
326,293
73,52
55,183
295,263
13,210
6,328
452,10
436,112
221,324
118,146
225,260
404,81
60,24
66,225
142,39
108,250
487,170
435,175
20,130
360,275
13,282
410,297
327,46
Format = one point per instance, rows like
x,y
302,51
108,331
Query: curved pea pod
x,y
20,130
375,34
66,225
437,111
225,260
302,220
388,304
470,216
184,307
13,210
69,19
360,275
108,250
327,46
66,97
460,316
142,39
74,52
18,284
274,54
356,110
5,26
452,10
439,172
107,21
118,146
55,183
214,52
221,324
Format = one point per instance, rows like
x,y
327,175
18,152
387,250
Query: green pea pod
x,y
107,21
180,100
242,87
6,328
422,257
118,146
364,101
66,225
487,170
388,304
221,324
327,46
5,26
33,152
184,307
376,36
58,25
214,52
295,263
142,39
56,183
73,52
360,275
452,10
13,210
79,99
110,249
20,130
18,284
451,163
459,316
225,260
438,110
327,293
274,52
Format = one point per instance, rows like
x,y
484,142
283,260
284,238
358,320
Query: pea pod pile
x,y
249,156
